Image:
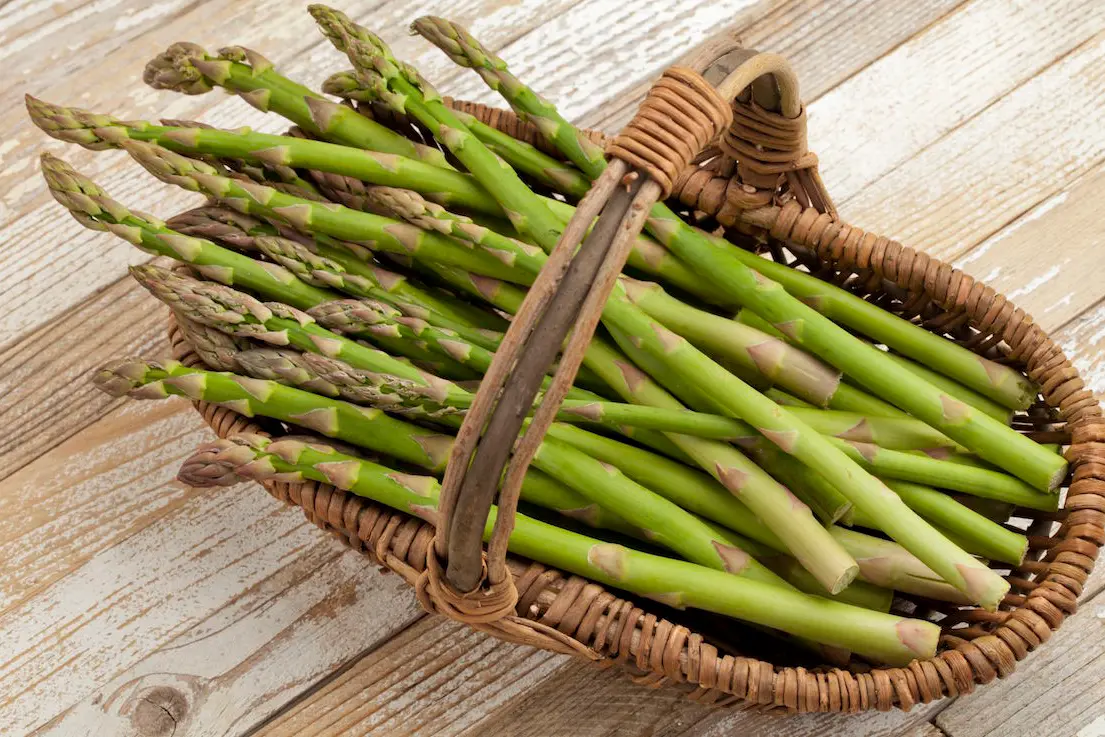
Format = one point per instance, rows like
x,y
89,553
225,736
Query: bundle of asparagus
x,y
353,280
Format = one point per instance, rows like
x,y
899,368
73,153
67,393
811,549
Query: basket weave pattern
x,y
573,615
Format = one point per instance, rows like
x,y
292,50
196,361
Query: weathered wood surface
x,y
132,605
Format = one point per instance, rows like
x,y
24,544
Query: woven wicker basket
x,y
761,165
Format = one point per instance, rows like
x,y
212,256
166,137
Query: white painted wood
x,y
436,678
972,182
812,43
937,80
117,580
1035,260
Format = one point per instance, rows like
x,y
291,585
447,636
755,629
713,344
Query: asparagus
x,y
946,474
240,232
94,209
858,593
384,234
190,69
977,534
718,262
314,268
369,428
525,158
890,566
952,387
278,176
400,86
665,523
896,433
215,348
883,637
97,131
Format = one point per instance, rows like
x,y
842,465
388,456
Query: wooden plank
x,y
81,262
1037,259
436,678
580,59
935,81
45,376
811,43
1059,691
973,181
119,582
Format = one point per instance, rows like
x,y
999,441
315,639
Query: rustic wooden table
x,y
131,605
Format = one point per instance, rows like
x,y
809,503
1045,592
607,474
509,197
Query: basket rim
x,y
668,652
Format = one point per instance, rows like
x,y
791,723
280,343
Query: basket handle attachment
x,y
764,150
680,116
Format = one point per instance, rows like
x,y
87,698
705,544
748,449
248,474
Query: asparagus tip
x,y
214,464
175,69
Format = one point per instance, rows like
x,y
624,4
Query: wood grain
x,y
437,677
810,43
131,605
119,580
1020,150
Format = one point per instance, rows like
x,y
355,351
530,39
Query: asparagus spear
x,y
190,69
216,349
977,534
240,232
890,566
883,637
858,593
284,178
97,131
527,159
718,261
370,428
947,474
94,209
957,390
664,522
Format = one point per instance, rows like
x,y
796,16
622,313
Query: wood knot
x,y
158,711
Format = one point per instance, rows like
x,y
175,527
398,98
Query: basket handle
x,y
680,116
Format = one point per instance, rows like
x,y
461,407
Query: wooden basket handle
x,y
682,114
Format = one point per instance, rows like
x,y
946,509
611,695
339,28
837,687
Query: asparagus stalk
x,y
94,209
952,387
946,474
215,348
97,131
284,178
383,234
883,637
890,566
527,159
240,232
998,382
719,262
370,428
401,87
858,593
665,523
190,69
976,533
314,268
